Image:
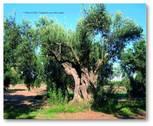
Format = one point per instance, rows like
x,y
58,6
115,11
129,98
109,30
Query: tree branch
x,y
73,52
99,63
60,59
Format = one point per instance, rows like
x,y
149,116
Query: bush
x,y
104,101
126,112
11,76
55,96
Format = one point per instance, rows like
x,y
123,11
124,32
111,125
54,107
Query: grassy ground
x,y
52,112
127,109
46,112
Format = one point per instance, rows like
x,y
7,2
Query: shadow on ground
x,y
20,106
14,90
122,109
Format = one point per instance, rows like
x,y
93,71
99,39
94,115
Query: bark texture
x,y
72,72
82,82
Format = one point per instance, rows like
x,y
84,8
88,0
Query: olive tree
x,y
98,40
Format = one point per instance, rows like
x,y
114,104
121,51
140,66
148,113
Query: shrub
x,y
126,112
55,96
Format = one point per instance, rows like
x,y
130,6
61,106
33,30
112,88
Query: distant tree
x,y
134,63
79,54
26,56
12,38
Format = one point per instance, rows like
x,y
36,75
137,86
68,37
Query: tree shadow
x,y
14,90
135,110
20,106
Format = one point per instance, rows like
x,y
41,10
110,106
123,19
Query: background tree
x,y
134,64
12,38
26,56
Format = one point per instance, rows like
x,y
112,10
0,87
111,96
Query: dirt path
x,y
89,115
19,103
20,95
21,89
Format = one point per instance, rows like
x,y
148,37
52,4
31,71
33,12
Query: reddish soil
x,y
21,89
89,115
20,95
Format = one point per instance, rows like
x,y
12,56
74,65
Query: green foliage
x,y
109,103
123,83
135,56
11,76
55,96
105,104
12,38
19,40
54,39
98,19
134,64
126,112
27,63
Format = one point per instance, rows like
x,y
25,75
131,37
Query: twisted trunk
x,y
81,82
72,72
83,78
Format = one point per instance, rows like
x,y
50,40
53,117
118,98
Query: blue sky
x,y
71,13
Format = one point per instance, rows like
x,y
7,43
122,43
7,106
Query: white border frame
x,y
147,122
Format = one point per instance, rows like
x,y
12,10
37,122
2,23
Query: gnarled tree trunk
x,y
81,82
72,71
83,78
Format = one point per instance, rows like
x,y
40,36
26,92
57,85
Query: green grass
x,y
30,115
129,108
127,112
48,112
77,107
52,111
